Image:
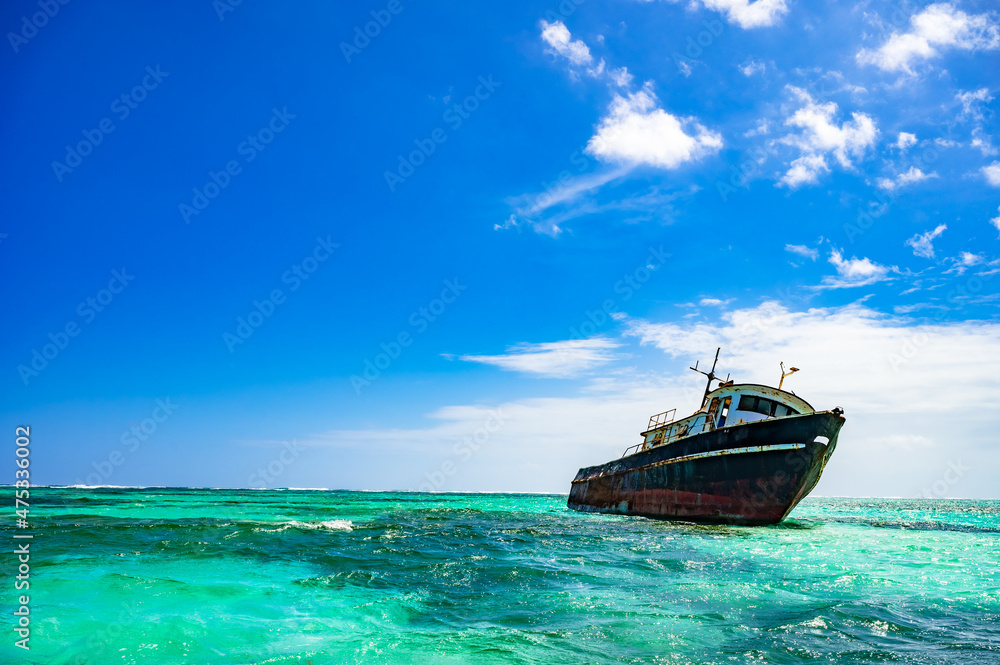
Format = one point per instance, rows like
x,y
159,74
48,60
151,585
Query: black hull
x,y
753,474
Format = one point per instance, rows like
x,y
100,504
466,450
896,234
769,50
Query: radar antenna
x,y
791,370
710,374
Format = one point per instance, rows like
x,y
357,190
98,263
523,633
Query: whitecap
x,y
331,525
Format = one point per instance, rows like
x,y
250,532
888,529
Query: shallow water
x,y
229,576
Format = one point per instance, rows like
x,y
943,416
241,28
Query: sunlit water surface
x,y
223,576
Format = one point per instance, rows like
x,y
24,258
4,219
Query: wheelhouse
x,y
729,404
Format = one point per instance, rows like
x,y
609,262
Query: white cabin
x,y
729,404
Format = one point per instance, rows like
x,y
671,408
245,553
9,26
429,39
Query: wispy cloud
x,y
963,262
803,251
905,140
992,173
752,67
532,208
562,359
923,243
747,13
560,42
854,272
973,101
938,27
714,302
903,179
621,77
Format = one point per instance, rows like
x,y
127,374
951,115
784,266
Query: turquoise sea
x,y
322,578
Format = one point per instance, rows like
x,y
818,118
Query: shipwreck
x,y
748,455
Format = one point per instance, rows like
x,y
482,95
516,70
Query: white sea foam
x,y
330,525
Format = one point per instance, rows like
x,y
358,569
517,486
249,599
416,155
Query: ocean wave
x,y
915,525
326,525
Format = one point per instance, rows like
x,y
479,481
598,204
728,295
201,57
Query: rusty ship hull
x,y
752,473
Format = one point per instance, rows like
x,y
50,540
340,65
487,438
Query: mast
x,y
791,370
710,374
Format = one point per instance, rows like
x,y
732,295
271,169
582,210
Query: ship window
x,y
768,407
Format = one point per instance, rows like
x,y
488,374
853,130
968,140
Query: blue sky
x,y
473,249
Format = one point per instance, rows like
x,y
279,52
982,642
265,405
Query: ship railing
x,y
636,448
661,419
679,433
706,425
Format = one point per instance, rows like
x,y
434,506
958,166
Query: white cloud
x,y
996,220
972,103
905,140
903,179
714,302
553,359
992,173
854,272
546,212
763,128
529,205
802,250
805,170
821,135
923,243
983,145
968,259
847,354
752,67
636,131
973,109
557,36
938,27
748,14
621,77
963,262
913,175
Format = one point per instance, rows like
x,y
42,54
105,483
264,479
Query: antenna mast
x,y
791,370
710,374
